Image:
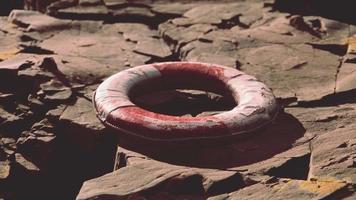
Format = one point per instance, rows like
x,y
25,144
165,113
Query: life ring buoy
x,y
256,104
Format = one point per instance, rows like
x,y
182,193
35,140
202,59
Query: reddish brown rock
x,y
4,169
286,188
49,67
333,155
301,61
157,174
35,21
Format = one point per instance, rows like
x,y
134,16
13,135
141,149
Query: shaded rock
x,y
80,126
240,153
31,77
8,120
294,168
7,6
36,146
114,3
6,97
84,10
38,5
56,5
35,21
98,12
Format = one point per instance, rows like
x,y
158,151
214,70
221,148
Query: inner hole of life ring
x,y
183,96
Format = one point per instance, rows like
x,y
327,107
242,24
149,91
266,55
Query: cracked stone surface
x,y
55,54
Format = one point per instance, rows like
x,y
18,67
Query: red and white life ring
x,y
256,104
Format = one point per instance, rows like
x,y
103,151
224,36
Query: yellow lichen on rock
x,y
351,43
4,55
323,186
4,169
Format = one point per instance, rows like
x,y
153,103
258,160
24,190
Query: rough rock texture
x,y
52,146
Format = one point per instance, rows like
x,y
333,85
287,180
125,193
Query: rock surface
x,y
52,146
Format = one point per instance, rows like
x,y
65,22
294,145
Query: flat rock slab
x,y
143,174
334,155
285,188
307,66
82,114
35,21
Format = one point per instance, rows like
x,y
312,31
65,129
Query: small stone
x,y
16,64
55,90
25,163
59,96
7,118
7,146
54,114
5,168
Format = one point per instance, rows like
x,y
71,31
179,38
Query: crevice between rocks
x,y
294,168
330,100
110,17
